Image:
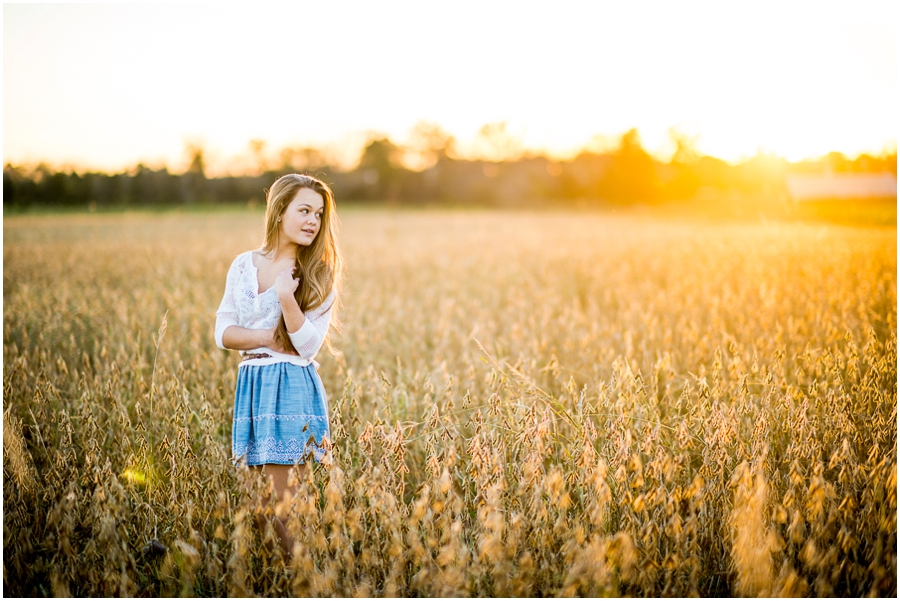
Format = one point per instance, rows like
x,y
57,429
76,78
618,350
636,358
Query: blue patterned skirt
x,y
280,415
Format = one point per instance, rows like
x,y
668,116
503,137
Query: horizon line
x,y
889,148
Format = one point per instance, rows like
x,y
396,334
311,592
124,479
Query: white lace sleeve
x,y
309,338
227,315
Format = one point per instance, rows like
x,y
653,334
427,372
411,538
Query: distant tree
x,y
632,177
685,146
197,164
428,145
381,168
303,159
684,182
19,189
193,182
380,154
495,143
713,173
257,151
837,162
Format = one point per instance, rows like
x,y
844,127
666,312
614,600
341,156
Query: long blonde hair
x,y
319,265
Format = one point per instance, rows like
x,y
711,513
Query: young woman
x,y
276,311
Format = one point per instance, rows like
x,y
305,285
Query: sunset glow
x,y
107,86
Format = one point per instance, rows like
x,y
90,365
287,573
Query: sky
x,y
105,86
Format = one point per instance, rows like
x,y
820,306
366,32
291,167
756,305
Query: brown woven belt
x,y
249,356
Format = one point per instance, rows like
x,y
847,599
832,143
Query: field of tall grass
x,y
526,404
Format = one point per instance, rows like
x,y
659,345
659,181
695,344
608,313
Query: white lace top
x,y
243,306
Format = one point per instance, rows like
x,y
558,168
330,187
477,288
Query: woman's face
x,y
302,219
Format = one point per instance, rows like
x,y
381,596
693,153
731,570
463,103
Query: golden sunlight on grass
x,y
527,404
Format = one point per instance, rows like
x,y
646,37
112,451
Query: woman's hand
x,y
286,284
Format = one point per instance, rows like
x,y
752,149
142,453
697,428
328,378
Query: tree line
x,y
505,176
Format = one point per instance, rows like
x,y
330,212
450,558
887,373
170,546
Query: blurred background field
x,y
527,403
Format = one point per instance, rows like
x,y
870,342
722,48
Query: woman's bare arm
x,y
237,338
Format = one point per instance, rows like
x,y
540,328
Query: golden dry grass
x,y
657,409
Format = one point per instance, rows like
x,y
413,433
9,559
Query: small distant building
x,y
841,186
